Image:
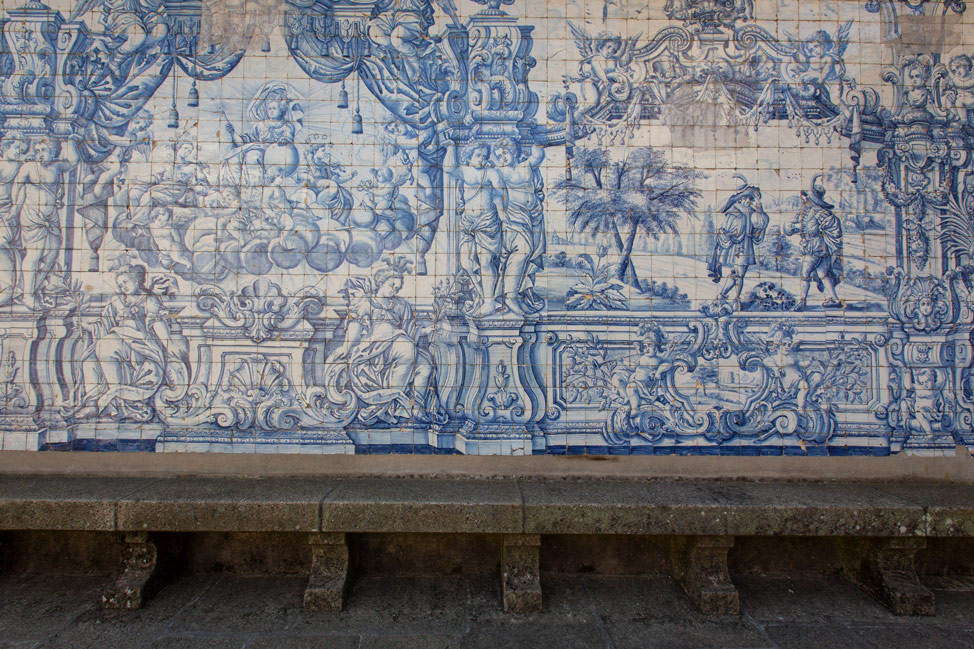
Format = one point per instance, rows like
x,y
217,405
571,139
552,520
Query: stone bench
x,y
881,526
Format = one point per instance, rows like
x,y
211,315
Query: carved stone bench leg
x,y
329,573
885,569
700,565
521,573
143,572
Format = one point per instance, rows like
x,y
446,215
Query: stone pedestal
x,y
142,573
885,568
700,565
20,393
329,573
521,573
502,394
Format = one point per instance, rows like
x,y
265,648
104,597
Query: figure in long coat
x,y
742,229
820,231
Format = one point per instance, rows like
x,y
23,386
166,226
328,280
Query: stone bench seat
x,y
881,525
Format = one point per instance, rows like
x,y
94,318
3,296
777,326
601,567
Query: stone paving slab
x,y
309,642
204,610
808,599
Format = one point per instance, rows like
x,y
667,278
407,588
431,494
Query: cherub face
x,y
960,68
273,173
505,156
479,157
916,179
815,48
925,379
15,149
161,216
925,305
608,48
384,174
43,151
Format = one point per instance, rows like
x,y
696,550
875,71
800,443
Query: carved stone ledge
x,y
700,565
521,573
329,573
885,568
142,572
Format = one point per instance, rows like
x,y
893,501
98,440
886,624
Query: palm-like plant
x,y
640,195
957,232
596,290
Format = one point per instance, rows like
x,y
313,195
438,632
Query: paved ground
x,y
217,611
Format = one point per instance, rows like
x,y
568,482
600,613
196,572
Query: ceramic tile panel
x,y
722,227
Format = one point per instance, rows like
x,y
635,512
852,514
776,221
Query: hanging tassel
x,y
173,113
266,46
357,118
357,123
194,96
343,97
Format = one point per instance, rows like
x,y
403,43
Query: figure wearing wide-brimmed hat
x,y
821,244
743,227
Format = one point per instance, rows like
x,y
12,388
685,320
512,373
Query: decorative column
x,y
499,101
501,394
70,105
930,354
924,156
30,41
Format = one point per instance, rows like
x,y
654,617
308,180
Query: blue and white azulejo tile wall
x,y
723,227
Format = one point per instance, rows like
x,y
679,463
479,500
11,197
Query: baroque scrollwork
x,y
750,79
261,310
925,304
787,387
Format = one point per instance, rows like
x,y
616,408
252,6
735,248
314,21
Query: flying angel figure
x,y
605,64
818,60
131,26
